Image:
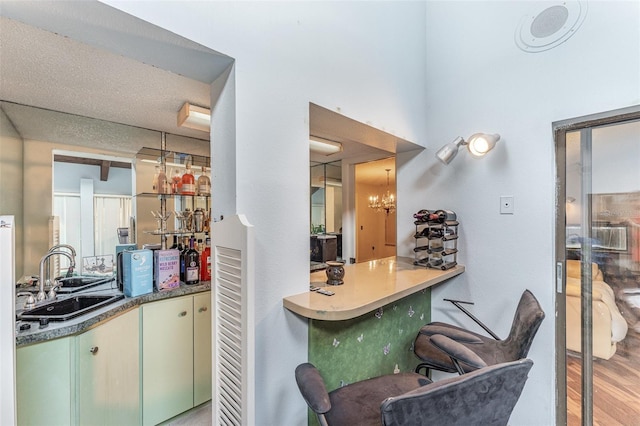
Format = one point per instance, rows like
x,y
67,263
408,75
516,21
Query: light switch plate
x,y
506,204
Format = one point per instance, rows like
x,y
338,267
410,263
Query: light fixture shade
x,y
194,117
323,146
448,152
481,143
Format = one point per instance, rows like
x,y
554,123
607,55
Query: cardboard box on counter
x,y
137,272
166,269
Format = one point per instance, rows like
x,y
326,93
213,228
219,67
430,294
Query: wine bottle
x,y
192,264
422,215
175,242
205,261
442,216
188,182
183,265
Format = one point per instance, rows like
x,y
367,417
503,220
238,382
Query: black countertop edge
x,y
58,329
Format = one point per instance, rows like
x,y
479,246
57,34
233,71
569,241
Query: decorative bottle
x,y
188,182
163,183
154,184
204,183
176,181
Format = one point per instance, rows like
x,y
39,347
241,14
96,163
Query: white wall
x,y
364,58
478,80
368,59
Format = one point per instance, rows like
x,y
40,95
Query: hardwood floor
x,y
616,386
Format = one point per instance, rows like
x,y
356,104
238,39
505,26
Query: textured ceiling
x,y
47,69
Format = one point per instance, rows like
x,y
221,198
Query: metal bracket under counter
x,y
367,287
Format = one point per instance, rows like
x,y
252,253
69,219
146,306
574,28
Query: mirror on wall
x,y
362,145
66,86
326,213
46,154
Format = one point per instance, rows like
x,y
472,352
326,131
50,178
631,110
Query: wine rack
x,y
436,244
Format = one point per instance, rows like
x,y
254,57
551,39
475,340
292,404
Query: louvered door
x,y
232,322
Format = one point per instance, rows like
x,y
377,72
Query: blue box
x,y
137,272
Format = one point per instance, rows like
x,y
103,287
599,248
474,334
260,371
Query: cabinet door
x,y
167,359
108,374
44,383
201,348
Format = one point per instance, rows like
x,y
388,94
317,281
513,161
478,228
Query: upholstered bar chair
x,y
486,396
490,350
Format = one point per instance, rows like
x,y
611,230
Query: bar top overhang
x,y
367,287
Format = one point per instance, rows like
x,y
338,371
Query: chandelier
x,y
387,202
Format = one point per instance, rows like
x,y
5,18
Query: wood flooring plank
x,y
616,386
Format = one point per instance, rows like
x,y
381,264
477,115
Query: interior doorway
x,y
598,268
375,209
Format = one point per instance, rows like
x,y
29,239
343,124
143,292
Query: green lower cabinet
x,y
176,356
108,373
201,348
45,383
167,359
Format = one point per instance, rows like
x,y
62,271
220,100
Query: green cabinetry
x,y
143,366
108,371
201,348
45,383
167,359
176,358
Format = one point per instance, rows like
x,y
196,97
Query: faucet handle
x,y
52,295
30,302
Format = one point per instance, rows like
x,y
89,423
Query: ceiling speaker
x,y
550,27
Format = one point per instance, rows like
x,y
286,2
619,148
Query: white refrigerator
x,y
7,322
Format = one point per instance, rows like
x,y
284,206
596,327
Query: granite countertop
x,y
57,329
367,287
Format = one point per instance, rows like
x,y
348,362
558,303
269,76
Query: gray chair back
x,y
483,397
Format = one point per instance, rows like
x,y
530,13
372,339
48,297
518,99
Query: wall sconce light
x,y
323,146
194,117
478,145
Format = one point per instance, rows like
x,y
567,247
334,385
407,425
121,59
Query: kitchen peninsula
x,y
368,326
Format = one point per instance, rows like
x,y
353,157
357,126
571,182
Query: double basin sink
x,y
72,306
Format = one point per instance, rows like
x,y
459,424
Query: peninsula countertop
x,y
367,287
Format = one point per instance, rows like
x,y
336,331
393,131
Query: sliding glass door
x,y
598,268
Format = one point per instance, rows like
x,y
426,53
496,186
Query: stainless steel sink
x,y
71,307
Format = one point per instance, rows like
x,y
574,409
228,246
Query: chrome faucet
x,y
41,279
72,265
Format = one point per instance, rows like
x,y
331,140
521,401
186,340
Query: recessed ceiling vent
x,y
551,27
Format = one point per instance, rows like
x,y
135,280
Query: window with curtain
x,y
110,213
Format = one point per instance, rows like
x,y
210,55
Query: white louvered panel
x,y
232,322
